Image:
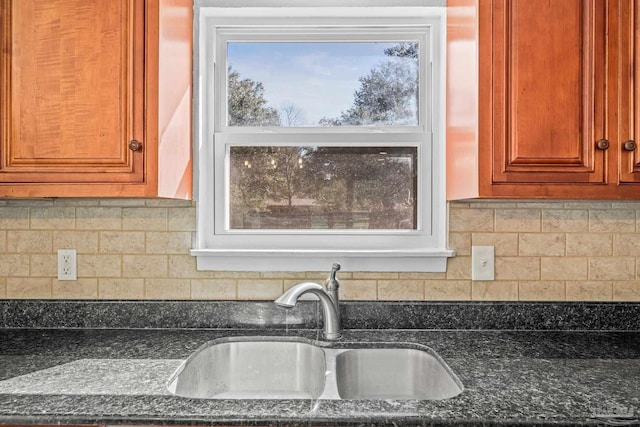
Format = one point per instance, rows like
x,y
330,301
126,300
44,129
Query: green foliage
x,y
247,106
388,95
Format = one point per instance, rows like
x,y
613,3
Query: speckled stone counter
x,y
511,377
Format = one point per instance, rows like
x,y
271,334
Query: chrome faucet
x,y
328,299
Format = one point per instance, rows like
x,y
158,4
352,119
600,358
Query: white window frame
x,y
219,248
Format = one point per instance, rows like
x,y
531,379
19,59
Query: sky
x,y
318,77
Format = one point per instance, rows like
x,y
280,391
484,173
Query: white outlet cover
x,y
67,264
482,263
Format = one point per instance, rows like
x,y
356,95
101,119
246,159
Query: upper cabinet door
x,y
72,91
629,114
548,91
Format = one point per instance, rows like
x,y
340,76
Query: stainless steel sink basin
x,y
252,370
394,373
296,368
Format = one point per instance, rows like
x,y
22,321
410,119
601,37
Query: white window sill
x,y
433,260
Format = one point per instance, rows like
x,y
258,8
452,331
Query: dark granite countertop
x,y
511,377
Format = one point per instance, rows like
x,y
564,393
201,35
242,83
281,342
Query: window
x,y
320,138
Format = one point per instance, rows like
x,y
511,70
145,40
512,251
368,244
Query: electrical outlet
x,y
67,264
482,263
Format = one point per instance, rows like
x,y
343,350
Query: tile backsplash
x,y
138,249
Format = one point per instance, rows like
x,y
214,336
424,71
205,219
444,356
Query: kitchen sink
x,y
296,368
394,373
252,370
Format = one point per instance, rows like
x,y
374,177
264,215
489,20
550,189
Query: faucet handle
x,y
332,282
334,269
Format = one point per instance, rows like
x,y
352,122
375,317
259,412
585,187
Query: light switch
x,y
482,263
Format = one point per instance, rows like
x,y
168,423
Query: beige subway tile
x,y
505,244
214,289
28,241
76,202
99,266
534,204
592,244
422,276
35,203
102,218
181,219
44,265
494,291
254,289
85,242
3,241
447,290
165,203
565,220
294,275
28,288
121,289
400,290
541,244
361,290
626,291
321,276
237,275
563,268
147,266
518,220
458,204
14,218
614,221
625,205
14,265
626,244
459,268
589,291
122,242
612,268
184,266
366,275
122,202
471,219
517,268
3,287
75,289
551,290
51,218
491,204
583,204
461,243
177,242
167,289
144,219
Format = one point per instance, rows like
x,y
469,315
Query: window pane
x,y
288,187
323,84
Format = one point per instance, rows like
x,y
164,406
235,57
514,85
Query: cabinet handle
x,y
135,145
630,145
602,144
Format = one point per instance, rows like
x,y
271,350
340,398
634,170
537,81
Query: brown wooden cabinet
x,y
629,89
557,99
81,92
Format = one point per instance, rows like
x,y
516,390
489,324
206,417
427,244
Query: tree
x,y
246,103
291,115
385,96
388,95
